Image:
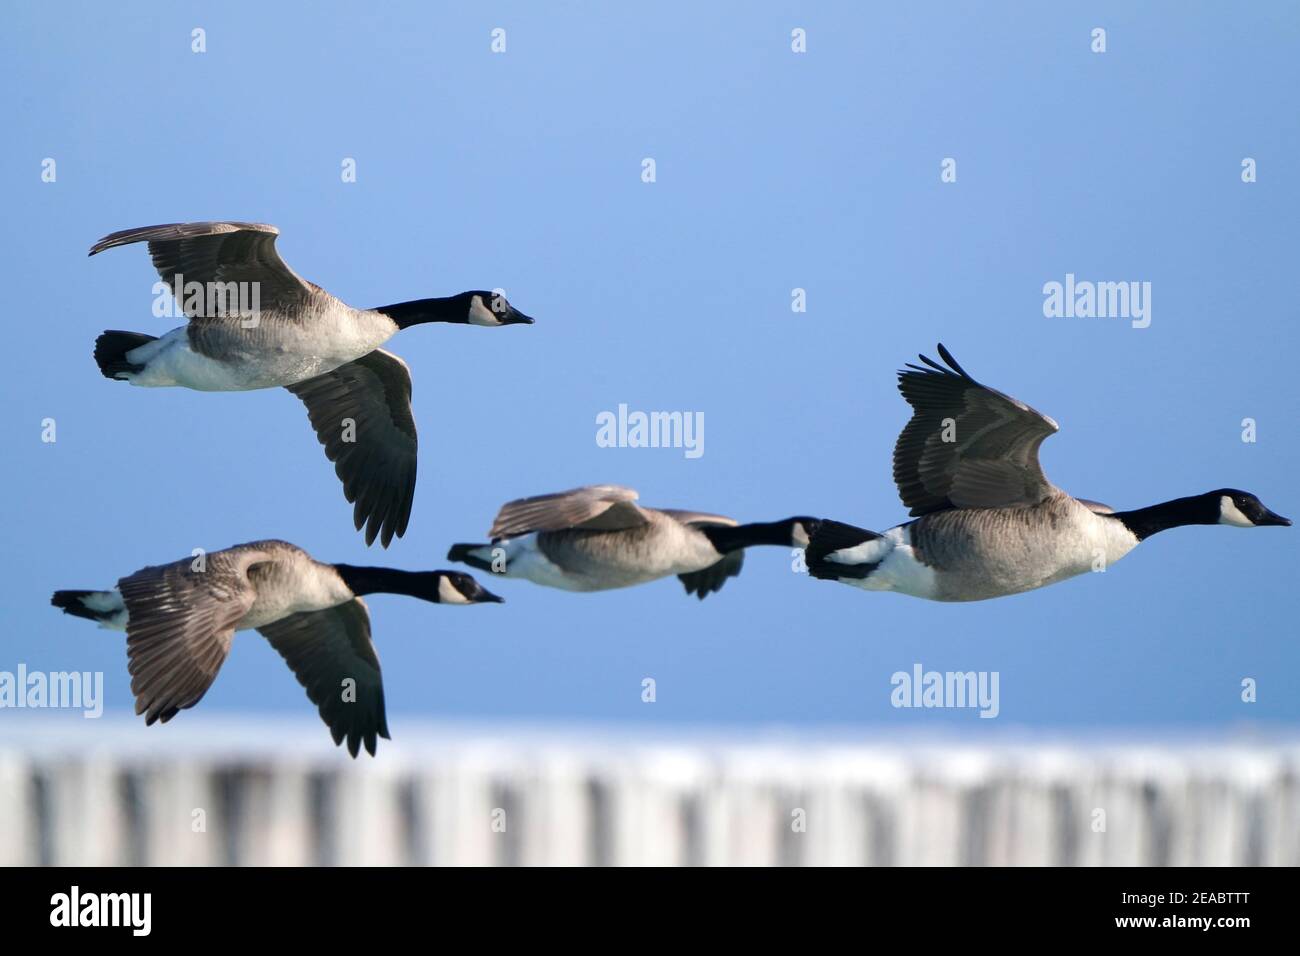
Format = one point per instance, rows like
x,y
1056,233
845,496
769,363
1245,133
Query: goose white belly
x,y
523,559
898,567
976,554
280,351
288,586
601,561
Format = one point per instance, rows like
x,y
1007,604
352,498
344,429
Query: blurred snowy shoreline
x,y
211,789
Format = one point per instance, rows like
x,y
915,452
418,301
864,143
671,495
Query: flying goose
x,y
987,521
597,538
254,323
180,618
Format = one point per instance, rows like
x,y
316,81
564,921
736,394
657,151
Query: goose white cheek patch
x,y
480,314
1230,514
447,593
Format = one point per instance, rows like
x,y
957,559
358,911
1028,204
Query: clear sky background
x,y
775,170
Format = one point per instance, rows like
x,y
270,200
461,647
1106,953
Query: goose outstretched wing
x,y
212,252
967,445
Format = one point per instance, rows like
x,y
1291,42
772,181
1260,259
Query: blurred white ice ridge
x,y
209,789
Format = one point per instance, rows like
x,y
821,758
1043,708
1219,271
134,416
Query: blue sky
x,y
775,170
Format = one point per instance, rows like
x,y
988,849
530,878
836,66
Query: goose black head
x,y
453,587
491,309
1241,509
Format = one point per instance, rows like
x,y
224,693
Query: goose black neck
x,y
1144,522
406,314
726,538
364,580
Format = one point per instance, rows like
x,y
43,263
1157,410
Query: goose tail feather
x,y
110,352
829,554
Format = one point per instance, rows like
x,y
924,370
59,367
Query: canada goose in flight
x,y
180,618
987,521
596,538
299,337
